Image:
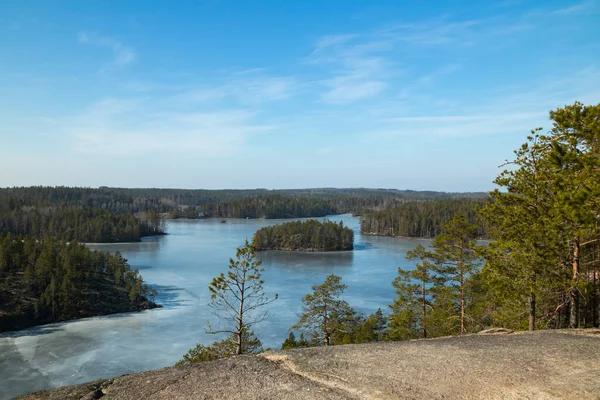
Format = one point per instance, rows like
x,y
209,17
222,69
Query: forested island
x,y
49,280
309,235
421,218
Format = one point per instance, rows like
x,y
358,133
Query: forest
x,y
421,218
51,280
89,225
310,235
254,203
106,215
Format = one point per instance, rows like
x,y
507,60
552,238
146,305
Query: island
x,y
310,235
49,280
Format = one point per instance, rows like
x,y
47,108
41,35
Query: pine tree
x,y
525,257
412,291
238,298
323,312
455,253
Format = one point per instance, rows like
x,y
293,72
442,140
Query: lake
x,y
180,266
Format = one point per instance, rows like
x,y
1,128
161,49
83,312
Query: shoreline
x,y
255,219
111,243
395,236
143,306
306,251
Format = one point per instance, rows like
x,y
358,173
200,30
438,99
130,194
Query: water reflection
x,y
294,259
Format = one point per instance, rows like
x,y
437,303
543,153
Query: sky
x,y
427,95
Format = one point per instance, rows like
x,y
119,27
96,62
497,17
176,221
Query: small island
x,y
310,235
48,280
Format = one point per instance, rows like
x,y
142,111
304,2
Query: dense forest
x,y
49,280
80,224
270,207
421,219
309,235
122,215
255,203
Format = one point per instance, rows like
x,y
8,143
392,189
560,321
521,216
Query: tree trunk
x,y
574,301
423,329
531,310
595,300
462,291
240,327
326,333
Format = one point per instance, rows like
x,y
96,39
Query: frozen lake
x,y
180,266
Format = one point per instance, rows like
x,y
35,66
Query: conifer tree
x,y
323,311
238,298
455,253
413,297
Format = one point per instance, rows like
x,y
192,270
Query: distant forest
x,y
421,219
50,280
310,235
120,215
90,225
253,203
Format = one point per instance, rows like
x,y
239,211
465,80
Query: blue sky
x,y
284,94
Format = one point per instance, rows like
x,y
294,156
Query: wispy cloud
x,y
332,40
577,9
357,70
122,55
348,89
117,127
439,72
514,110
434,32
249,89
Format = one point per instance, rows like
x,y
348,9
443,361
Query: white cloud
x,y
332,40
357,70
454,126
247,90
577,9
116,127
347,89
122,54
500,111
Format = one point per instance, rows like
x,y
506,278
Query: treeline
x,y
81,224
116,201
43,281
421,219
308,235
270,207
315,205
254,203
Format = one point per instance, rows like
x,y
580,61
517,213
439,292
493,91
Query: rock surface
x,y
539,365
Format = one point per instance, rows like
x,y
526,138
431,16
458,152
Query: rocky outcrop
x,y
546,364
